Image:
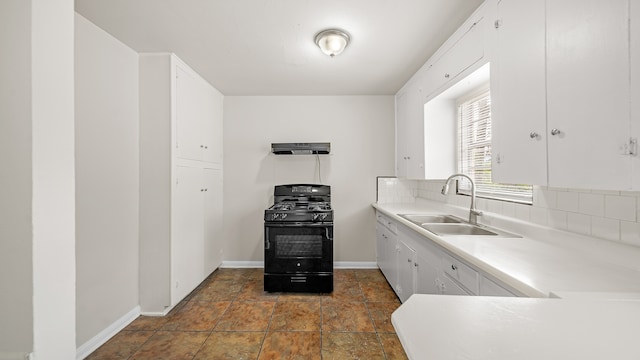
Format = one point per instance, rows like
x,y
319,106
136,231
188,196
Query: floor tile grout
x,y
249,293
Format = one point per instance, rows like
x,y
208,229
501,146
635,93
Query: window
x,y
474,150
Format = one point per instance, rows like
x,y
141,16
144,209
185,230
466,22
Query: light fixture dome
x,y
332,41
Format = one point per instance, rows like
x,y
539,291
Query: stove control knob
x,y
323,216
314,217
274,216
283,216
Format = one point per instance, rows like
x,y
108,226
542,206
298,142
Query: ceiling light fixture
x,y
332,41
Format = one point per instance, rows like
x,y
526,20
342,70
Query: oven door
x,y
294,248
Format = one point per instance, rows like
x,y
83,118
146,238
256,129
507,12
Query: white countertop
x,y
542,261
598,281
495,328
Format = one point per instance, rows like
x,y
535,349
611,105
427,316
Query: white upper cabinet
x,y
462,51
409,135
198,118
518,98
588,94
635,91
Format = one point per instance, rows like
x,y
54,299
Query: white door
x,y
518,97
187,244
588,93
212,219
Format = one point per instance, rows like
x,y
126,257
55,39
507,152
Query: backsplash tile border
x,y
604,214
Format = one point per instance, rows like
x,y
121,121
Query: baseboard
x,y
15,356
355,265
102,337
157,313
242,264
336,264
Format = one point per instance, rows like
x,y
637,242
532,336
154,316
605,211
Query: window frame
x,y
517,193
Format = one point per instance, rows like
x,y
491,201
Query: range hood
x,y
301,148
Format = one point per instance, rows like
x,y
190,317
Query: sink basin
x,y
431,219
457,229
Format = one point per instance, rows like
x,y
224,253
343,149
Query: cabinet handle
x,y
555,132
201,146
408,260
533,135
446,76
453,267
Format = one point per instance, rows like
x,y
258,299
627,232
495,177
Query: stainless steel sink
x,y
431,219
466,229
457,229
449,225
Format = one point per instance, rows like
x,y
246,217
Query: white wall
x,y
53,179
361,132
37,237
106,179
16,285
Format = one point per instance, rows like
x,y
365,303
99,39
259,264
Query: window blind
x,y
474,151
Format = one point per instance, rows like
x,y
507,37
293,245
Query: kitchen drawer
x,y
387,222
461,273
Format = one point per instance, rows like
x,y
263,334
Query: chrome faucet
x,y
473,212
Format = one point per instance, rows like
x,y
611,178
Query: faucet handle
x,y
476,212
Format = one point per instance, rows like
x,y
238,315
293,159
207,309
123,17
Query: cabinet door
x,y
187,243
449,287
588,93
410,134
190,110
212,219
427,273
490,288
468,50
635,91
387,257
518,97
406,269
212,125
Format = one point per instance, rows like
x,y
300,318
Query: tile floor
x,y
229,316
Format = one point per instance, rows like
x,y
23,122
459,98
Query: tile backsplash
x,y
610,215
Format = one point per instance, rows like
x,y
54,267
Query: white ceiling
x,y
266,47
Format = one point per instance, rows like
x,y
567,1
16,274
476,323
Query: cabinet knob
x,y
533,135
408,260
555,132
453,267
446,76
201,146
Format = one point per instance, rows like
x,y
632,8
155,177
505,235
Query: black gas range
x,y
298,239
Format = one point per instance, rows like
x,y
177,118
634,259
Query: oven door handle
x,y
326,230
298,224
267,244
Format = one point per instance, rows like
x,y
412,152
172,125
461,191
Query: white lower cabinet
x,y
406,271
413,264
427,274
450,287
491,288
387,252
